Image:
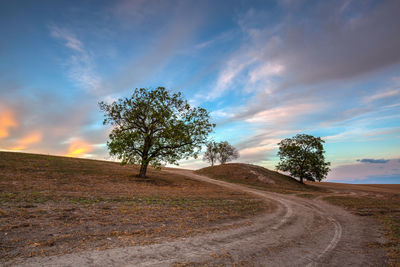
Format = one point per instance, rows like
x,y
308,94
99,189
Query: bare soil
x,y
55,205
300,231
257,177
379,202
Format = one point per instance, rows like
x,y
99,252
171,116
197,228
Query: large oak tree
x,y
155,126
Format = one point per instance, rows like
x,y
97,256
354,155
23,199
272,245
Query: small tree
x,y
226,152
154,127
211,153
303,157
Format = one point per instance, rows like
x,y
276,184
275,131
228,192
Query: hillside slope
x,y
52,205
256,176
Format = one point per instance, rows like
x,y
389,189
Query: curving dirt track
x,y
300,232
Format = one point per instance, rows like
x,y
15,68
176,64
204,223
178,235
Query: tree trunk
x,y
143,169
145,157
301,180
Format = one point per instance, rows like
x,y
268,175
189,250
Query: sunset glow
x,y
7,121
28,140
78,148
265,70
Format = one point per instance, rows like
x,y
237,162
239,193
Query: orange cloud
x,y
78,148
29,139
7,121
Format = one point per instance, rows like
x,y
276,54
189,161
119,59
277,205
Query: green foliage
x,y
222,151
226,152
303,157
155,127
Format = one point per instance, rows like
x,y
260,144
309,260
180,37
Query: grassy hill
x,y
51,205
381,202
256,176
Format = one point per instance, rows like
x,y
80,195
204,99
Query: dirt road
x,y
300,232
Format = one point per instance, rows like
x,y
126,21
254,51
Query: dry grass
x,y
256,176
383,207
51,205
378,201
368,188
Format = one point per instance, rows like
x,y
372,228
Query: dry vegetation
x,y
381,202
383,206
257,177
51,205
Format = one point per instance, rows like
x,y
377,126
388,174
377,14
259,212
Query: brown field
x,y
370,188
51,205
378,201
257,177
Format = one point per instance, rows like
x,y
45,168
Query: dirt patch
x,y
386,209
366,188
51,205
257,177
298,232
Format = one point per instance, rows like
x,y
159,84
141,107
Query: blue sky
x,y
266,70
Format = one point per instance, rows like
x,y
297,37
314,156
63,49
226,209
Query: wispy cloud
x,y
28,140
7,121
381,95
69,39
307,57
78,148
227,77
265,71
227,35
262,145
284,114
177,24
81,66
359,133
43,121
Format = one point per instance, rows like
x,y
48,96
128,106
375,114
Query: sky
x,y
266,70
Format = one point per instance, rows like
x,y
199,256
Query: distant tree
x,y
303,157
211,153
155,126
226,152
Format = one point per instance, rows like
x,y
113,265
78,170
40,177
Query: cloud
x,y
81,66
172,26
382,131
224,36
284,114
139,13
360,171
7,121
70,40
221,113
312,53
258,153
44,120
266,70
381,95
380,161
28,140
260,146
78,148
362,134
318,47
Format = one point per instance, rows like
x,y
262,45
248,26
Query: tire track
x,y
299,232
289,212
